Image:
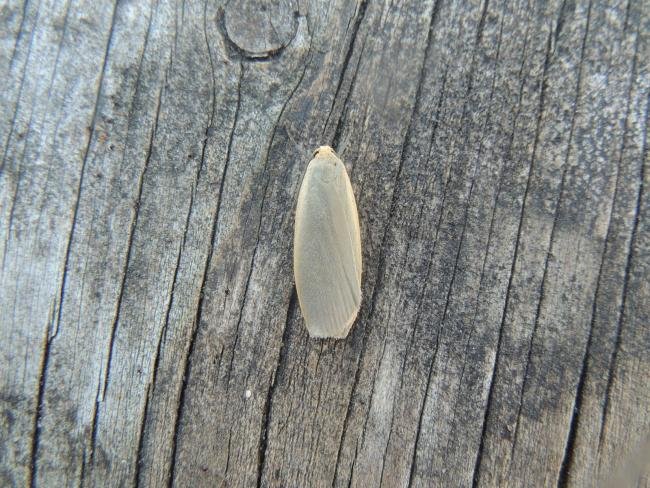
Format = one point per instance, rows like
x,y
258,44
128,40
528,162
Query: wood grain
x,y
151,158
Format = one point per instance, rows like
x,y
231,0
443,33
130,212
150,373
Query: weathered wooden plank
x,y
102,250
152,154
46,143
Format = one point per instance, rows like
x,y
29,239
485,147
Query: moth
x,y
327,248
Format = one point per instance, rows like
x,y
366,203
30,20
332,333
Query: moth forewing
x,y
327,248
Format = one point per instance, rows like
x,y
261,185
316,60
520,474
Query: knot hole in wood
x,y
260,30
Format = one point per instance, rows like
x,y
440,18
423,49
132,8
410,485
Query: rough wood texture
x,y
151,159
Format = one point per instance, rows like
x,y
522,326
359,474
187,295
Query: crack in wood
x,y
358,18
495,368
621,314
552,236
199,307
139,459
46,351
127,260
266,415
568,458
21,85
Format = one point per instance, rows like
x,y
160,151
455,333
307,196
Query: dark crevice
x,y
481,25
225,473
366,333
382,256
19,35
390,432
93,427
266,160
440,327
12,126
125,269
371,309
208,128
240,314
619,323
420,300
266,422
569,451
82,468
282,110
361,13
496,200
46,349
427,274
538,309
490,229
626,282
33,471
208,260
139,197
139,459
413,467
163,332
372,392
64,28
472,68
627,15
556,217
429,263
345,424
129,247
134,223
478,296
183,12
345,107
266,416
354,460
559,25
490,398
259,225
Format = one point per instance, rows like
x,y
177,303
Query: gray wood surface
x,y
151,158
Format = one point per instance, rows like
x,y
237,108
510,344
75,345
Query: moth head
x,y
324,151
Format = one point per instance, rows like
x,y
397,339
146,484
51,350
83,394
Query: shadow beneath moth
x,y
327,248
